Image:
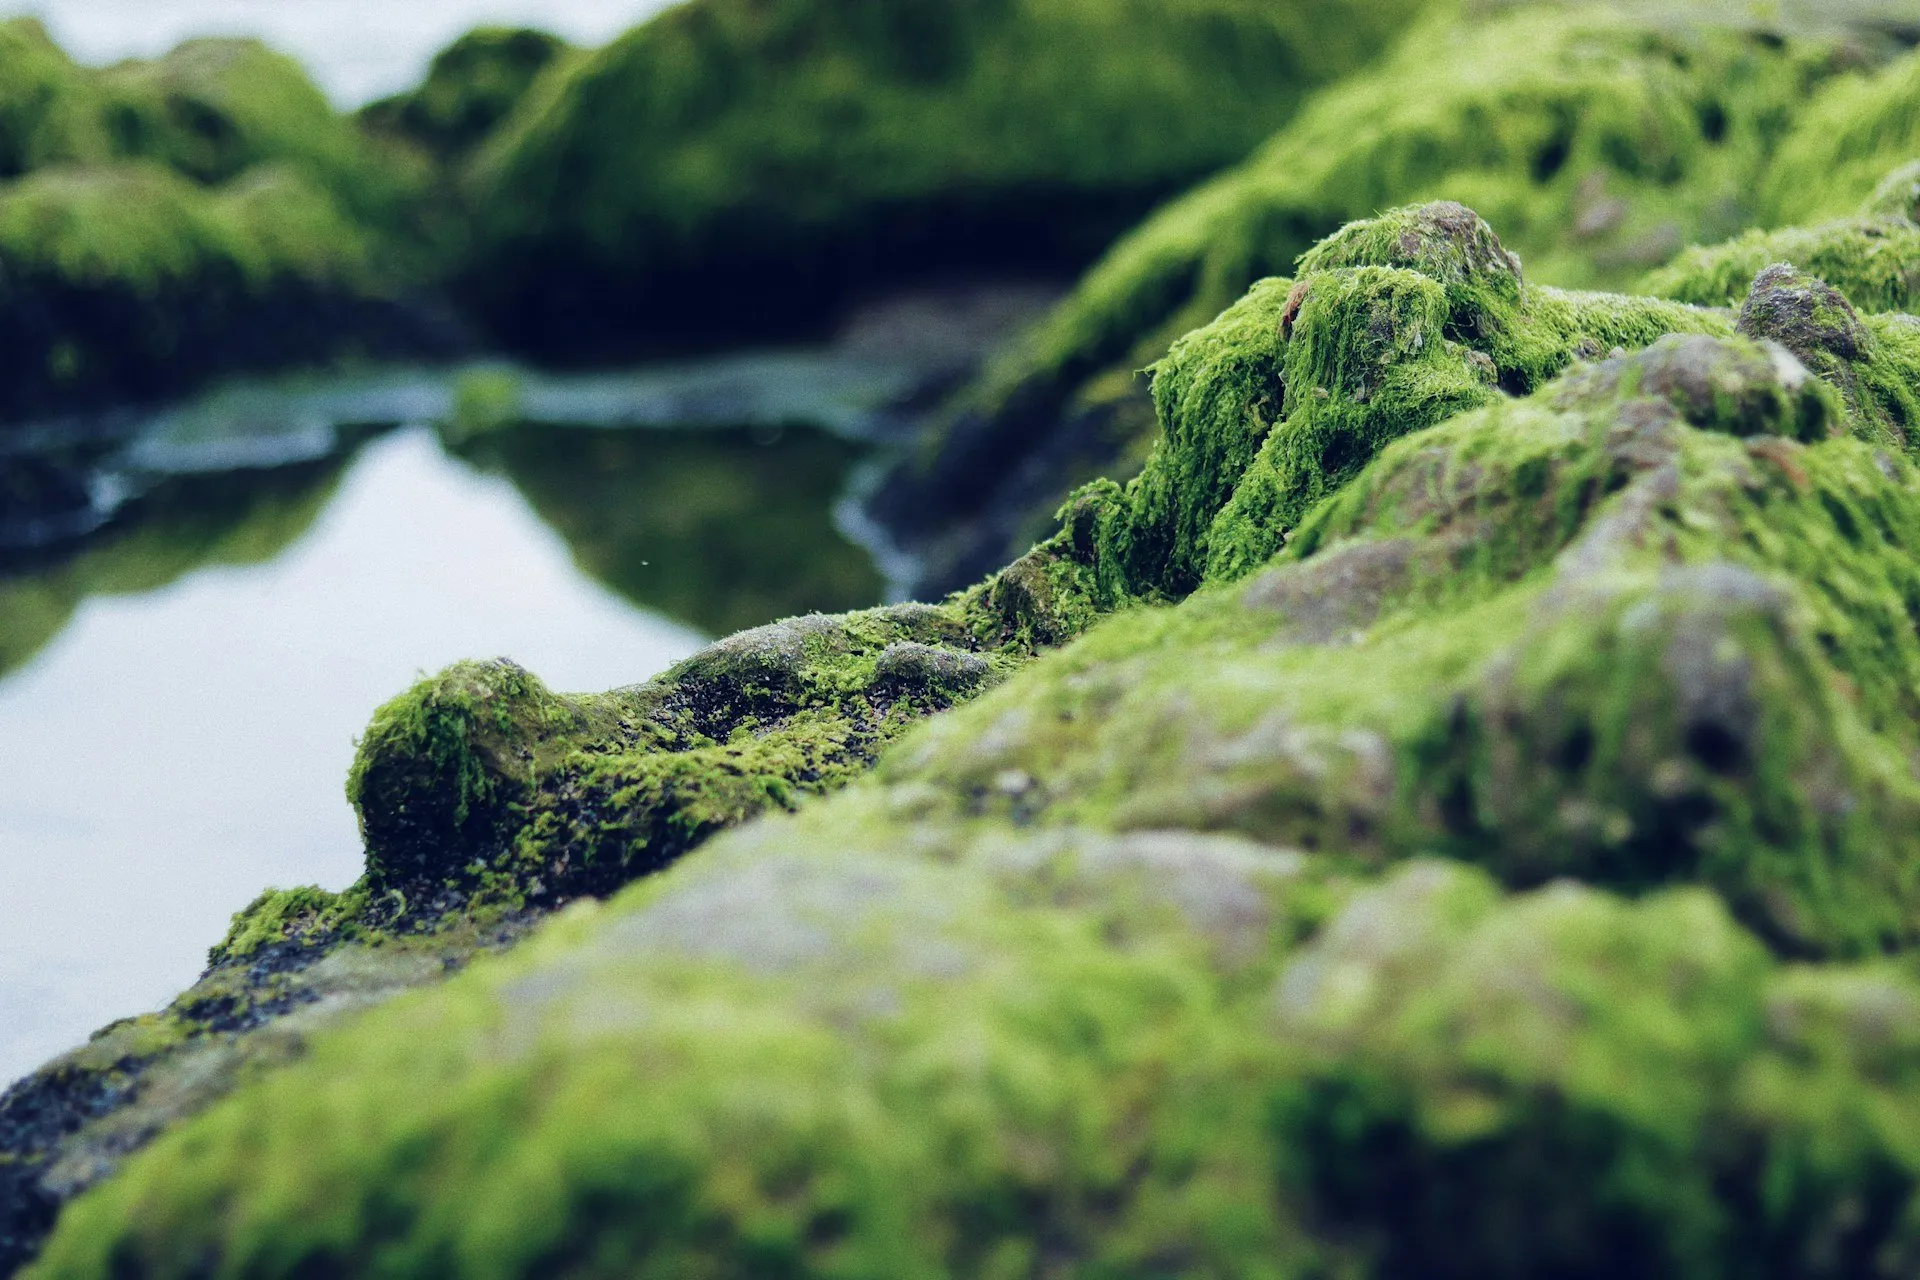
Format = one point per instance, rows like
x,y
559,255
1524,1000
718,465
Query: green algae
x,y
1843,145
1599,143
799,153
1141,961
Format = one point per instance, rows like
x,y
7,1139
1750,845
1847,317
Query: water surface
x,y
181,688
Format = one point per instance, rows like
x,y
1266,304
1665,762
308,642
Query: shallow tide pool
x,y
180,690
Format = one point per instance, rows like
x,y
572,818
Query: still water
x,y
180,688
358,50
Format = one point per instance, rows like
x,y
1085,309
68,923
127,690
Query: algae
x,y
1509,873
731,169
1599,142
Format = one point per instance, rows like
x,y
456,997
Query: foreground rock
x,y
1472,844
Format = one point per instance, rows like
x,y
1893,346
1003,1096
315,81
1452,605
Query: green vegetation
x,y
1511,873
1844,143
1599,144
732,168
165,221
472,86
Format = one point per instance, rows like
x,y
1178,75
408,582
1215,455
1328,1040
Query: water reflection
x,y
179,691
719,529
186,523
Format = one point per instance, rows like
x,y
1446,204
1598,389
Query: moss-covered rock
x,y
1599,142
165,221
1495,879
730,168
128,282
471,87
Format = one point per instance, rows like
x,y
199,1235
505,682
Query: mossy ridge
x,y
1843,144
1395,323
471,87
481,788
1651,624
778,159
1600,151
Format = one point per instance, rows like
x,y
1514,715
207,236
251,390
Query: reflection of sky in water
x,y
356,49
257,680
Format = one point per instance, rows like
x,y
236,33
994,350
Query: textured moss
x,y
1869,259
128,281
1394,324
730,168
1600,144
1497,880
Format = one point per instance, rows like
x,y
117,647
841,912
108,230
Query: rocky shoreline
x,y
1435,800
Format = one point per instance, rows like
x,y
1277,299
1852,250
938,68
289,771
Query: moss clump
x,y
49,107
1649,625
471,87
1599,144
129,282
1394,324
730,169
481,789
207,212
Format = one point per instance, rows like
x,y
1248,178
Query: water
x,y
180,687
358,50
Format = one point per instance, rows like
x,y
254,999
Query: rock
x,y
1582,100
1493,875
730,172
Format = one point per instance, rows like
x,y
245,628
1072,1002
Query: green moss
x,y
1870,260
1143,961
49,107
1394,324
128,281
1844,143
1600,144
281,916
471,87
771,160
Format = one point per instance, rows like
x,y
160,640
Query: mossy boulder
x,y
166,221
731,169
1511,873
128,282
1600,142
